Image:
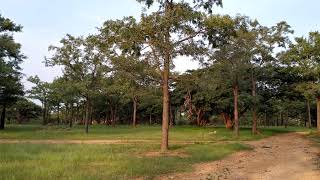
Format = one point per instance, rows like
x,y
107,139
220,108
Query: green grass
x,y
315,137
179,133
84,161
30,161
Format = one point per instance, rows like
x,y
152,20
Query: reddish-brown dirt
x,y
285,157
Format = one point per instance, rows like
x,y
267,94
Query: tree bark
x,y
134,119
199,117
318,113
3,117
227,120
166,105
235,109
309,114
254,110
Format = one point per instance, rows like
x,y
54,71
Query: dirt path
x,y
284,157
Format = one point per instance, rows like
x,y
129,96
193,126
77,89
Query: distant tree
x,y
40,92
84,64
23,111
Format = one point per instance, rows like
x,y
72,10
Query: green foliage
x,y
10,59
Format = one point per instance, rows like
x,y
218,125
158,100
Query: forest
x,y
250,77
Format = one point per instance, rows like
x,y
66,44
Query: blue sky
x,y
47,21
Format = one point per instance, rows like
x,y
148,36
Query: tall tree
x,y
304,57
172,31
10,59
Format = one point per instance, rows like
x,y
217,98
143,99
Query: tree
x,y
10,59
40,92
170,32
132,77
23,111
84,64
304,57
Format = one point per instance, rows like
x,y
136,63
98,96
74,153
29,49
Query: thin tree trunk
x,y
87,115
309,113
199,117
58,113
134,119
150,118
44,113
235,110
3,117
254,111
71,116
318,113
281,118
171,117
286,120
114,118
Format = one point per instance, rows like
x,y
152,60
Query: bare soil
x,y
284,157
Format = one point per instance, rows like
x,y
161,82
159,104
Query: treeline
x,y
250,74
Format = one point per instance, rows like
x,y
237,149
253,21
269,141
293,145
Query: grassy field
x,y
83,161
26,161
99,132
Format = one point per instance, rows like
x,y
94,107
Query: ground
x,y
289,156
58,152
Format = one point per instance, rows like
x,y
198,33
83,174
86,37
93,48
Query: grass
x,y
315,137
84,161
98,132
30,161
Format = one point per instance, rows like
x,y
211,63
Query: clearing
x,y
57,152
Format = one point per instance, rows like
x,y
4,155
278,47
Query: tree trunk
x,y
254,111
114,118
44,113
134,119
166,105
227,120
3,117
199,117
309,114
71,116
172,118
281,118
87,115
58,113
150,118
286,120
318,113
235,110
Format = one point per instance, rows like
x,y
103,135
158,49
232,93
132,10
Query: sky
x,y
46,22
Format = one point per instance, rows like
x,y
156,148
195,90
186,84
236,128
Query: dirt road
x,y
284,157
